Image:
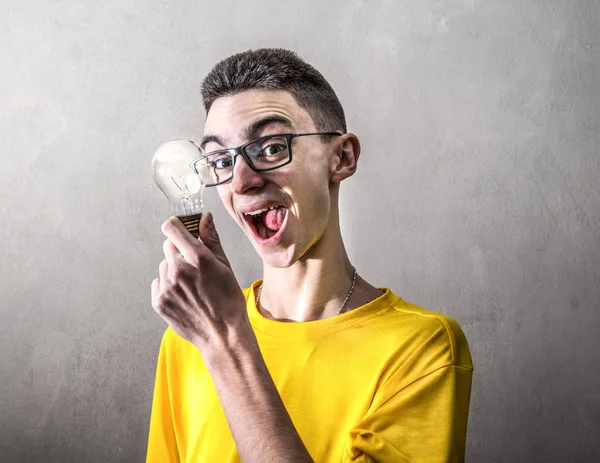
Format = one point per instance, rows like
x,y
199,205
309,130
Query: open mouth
x,y
267,222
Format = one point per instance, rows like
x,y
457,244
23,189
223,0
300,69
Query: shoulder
x,y
431,331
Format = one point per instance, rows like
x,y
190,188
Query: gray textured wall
x,y
477,195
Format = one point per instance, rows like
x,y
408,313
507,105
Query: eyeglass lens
x,y
264,154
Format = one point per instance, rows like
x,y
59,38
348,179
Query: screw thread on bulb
x,y
192,223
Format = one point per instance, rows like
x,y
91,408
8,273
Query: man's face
x,y
301,188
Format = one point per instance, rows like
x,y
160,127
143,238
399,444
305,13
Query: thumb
x,y
210,238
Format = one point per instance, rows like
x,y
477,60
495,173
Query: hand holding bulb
x,y
196,293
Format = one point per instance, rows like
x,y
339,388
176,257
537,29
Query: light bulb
x,y
178,180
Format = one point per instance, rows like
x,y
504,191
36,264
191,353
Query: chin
x,y
280,258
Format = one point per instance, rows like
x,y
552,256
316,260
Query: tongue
x,y
273,218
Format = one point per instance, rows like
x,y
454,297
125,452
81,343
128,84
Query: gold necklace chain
x,y
343,304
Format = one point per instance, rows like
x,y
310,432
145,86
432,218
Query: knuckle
x,y
158,305
188,269
168,226
163,302
213,234
196,260
176,271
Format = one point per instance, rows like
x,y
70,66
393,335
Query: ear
x,y
345,160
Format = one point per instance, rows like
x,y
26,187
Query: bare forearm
x,y
198,295
261,426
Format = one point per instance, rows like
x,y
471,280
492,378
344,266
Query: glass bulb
x,y
182,186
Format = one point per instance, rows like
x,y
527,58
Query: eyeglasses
x,y
263,154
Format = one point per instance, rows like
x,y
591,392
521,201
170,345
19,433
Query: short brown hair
x,y
276,69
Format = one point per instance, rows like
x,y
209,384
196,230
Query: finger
x,y
154,289
172,254
210,238
163,270
183,240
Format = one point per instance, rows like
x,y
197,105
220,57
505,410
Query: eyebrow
x,y
210,139
252,131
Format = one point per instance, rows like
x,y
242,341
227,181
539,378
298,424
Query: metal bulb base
x,y
192,223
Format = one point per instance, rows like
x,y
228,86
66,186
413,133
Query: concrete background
x,y
477,195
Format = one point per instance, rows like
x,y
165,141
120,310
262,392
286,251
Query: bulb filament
x,y
185,192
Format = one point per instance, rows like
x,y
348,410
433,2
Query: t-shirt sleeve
x,y
420,412
162,443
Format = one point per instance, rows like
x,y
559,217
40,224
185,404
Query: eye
x,y
223,162
272,150
269,149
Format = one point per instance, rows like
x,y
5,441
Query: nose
x,y
244,178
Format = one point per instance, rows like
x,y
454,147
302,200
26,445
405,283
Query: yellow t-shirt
x,y
388,381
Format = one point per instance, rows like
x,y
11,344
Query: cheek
x,y
312,195
315,174
226,199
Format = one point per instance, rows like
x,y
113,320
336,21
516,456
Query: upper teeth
x,y
260,211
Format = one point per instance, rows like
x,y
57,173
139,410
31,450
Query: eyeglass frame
x,y
241,150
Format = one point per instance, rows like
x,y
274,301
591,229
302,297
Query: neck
x,y
315,286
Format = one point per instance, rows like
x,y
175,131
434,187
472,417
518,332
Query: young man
x,y
312,363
